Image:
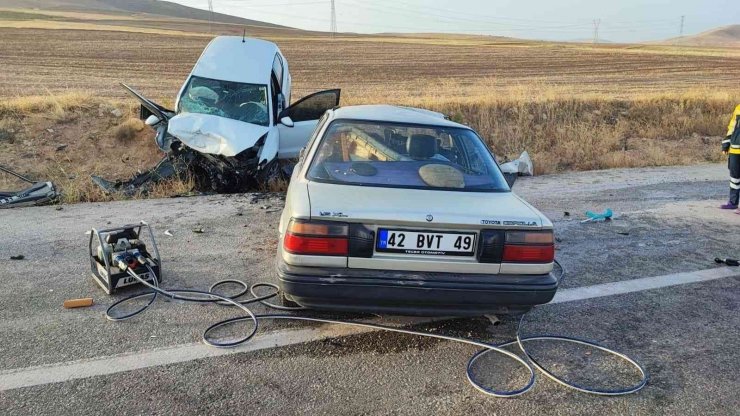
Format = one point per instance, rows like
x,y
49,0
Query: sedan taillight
x,y
529,247
317,238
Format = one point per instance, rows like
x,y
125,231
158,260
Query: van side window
x,y
277,70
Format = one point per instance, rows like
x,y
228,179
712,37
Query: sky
x,y
566,20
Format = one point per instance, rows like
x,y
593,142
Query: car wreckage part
x,y
39,193
130,261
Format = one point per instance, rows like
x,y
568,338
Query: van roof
x,y
232,58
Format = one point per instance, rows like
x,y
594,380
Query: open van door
x,y
297,122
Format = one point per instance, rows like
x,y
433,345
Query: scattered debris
x,y
623,232
495,321
729,262
18,257
198,230
594,217
168,232
566,213
78,303
515,168
116,112
50,130
61,147
39,193
256,197
59,208
521,166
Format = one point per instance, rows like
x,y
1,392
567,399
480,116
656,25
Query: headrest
x,y
421,146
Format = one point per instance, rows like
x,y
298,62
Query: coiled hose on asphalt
x,y
529,363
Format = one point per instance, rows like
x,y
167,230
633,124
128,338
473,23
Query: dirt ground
x,y
666,222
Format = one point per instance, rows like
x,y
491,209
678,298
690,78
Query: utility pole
x,y
680,32
597,22
210,9
333,28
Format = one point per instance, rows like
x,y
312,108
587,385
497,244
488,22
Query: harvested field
x,y
386,68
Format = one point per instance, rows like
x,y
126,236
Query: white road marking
x,y
60,372
645,283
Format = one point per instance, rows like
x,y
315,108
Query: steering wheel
x,y
252,110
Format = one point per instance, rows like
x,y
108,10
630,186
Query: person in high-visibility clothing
x,y
731,147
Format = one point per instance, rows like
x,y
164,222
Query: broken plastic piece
x,y
729,262
594,217
165,169
521,166
39,193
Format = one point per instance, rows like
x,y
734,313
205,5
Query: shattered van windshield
x,y
234,100
373,153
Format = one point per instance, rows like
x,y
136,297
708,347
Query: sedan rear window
x,y
372,153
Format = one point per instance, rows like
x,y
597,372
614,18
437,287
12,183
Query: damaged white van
x,y
231,121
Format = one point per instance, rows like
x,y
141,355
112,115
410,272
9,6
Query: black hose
x,y
530,363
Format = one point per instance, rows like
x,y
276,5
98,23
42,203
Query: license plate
x,y
426,242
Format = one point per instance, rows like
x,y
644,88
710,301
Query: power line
x,y
443,23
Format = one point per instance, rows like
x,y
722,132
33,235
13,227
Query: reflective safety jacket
x,y
732,142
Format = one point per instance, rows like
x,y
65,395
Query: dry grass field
x,y
572,106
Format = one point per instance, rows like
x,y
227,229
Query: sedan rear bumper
x,y
412,293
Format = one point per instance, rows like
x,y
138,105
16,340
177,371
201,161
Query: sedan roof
x,y
394,114
237,59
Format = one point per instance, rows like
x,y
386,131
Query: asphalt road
x,y
686,335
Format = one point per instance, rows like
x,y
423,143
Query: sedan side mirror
x,y
287,121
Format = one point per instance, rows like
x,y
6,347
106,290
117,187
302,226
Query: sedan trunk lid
x,y
416,210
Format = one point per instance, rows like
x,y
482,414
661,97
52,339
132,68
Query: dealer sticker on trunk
x,y
425,242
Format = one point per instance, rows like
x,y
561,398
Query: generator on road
x,y
110,247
